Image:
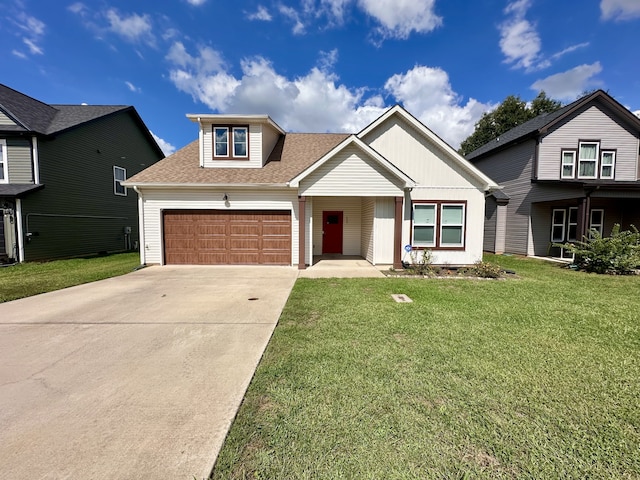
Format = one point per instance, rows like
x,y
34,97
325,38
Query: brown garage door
x,y
215,237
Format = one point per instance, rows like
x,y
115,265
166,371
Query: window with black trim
x,y
119,176
438,224
230,142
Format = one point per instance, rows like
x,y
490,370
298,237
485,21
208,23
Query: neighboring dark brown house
x,y
565,173
61,168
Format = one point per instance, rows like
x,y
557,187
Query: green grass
x,y
535,377
28,279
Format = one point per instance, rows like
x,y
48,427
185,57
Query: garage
x,y
227,237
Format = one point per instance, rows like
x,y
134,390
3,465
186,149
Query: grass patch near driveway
x,y
27,279
535,377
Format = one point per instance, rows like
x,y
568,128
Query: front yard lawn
x,y
32,278
535,377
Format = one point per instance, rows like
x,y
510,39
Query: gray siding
x,y
77,212
490,220
512,170
19,160
593,123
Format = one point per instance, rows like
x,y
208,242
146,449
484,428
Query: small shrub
x,y
618,254
421,262
486,270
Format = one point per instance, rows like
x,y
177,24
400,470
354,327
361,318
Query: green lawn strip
x,y
27,279
534,377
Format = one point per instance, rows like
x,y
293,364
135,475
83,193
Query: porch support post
x,y
397,234
584,205
302,222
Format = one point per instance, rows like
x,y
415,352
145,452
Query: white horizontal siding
x,y
351,173
416,155
255,148
351,222
594,123
4,120
269,139
367,225
157,200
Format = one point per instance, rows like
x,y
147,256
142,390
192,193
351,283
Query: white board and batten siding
x,y
262,139
383,231
351,173
590,124
415,155
155,201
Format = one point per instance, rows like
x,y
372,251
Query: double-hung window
x,y
4,164
568,164
557,224
119,176
607,163
438,225
596,220
588,160
230,142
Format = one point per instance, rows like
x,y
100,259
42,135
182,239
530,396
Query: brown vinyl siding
x,y
19,160
77,212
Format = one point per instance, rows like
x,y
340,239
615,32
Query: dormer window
x,y
231,142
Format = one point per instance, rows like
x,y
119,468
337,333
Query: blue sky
x,y
318,65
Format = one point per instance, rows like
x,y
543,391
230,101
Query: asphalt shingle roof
x,y
39,117
293,153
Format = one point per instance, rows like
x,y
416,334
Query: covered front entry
x,y
332,231
227,237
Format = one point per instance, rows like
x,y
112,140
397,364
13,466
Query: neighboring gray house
x,y
564,173
61,168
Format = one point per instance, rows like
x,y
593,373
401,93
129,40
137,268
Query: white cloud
x,y
399,18
294,16
569,49
318,102
637,113
33,48
132,87
519,39
133,28
261,14
196,3
18,54
427,93
570,84
32,31
78,8
165,146
620,9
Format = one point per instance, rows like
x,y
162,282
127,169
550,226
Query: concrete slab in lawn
x,y
137,376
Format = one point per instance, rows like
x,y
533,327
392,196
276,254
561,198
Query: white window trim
x,y
613,163
4,162
573,164
461,225
434,224
570,223
554,225
246,142
581,160
215,143
116,181
598,226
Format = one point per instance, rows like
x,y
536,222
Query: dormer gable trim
x,y
234,119
354,140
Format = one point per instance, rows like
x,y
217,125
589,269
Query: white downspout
x,y
20,230
142,244
36,160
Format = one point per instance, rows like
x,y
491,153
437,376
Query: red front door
x,y
331,232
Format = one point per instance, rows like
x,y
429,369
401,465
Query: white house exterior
x,y
249,193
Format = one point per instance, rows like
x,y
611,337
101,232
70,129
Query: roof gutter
x,y
137,185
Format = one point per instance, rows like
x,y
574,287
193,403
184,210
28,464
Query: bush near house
x,y
617,254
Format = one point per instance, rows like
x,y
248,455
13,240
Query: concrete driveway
x,y
136,376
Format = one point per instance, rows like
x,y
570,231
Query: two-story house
x,y
247,192
61,174
565,173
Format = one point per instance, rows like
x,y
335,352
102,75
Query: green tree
x,y
513,111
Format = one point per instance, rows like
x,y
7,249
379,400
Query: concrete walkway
x,y
134,377
340,266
